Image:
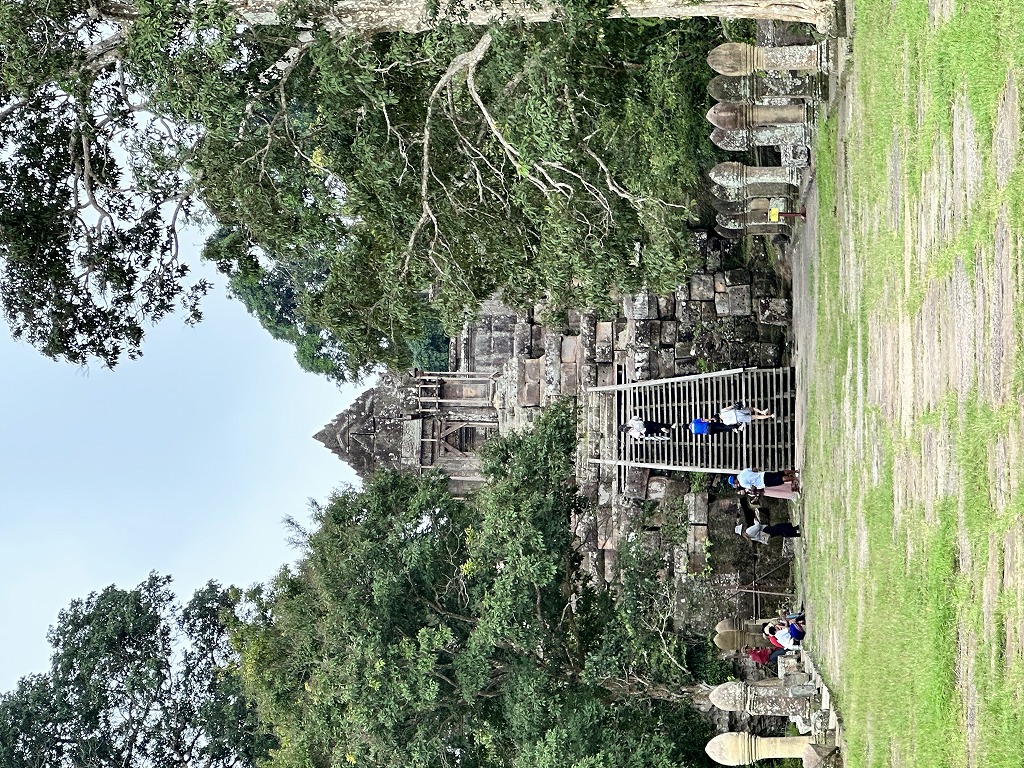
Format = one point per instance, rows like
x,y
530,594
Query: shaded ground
x,y
908,295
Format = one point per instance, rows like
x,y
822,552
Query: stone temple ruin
x,y
718,339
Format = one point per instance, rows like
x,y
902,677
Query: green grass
x,y
910,587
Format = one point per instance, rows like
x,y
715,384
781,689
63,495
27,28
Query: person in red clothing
x,y
758,655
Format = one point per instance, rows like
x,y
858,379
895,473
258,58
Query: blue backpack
x,y
699,426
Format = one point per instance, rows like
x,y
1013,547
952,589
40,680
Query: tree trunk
x,y
371,17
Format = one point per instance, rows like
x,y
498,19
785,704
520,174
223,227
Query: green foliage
x,y
543,161
420,630
132,674
430,351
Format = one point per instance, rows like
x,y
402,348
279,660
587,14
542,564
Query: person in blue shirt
x,y
712,426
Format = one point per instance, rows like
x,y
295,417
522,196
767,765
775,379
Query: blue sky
x,y
184,462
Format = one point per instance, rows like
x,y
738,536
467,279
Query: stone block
x,y
666,360
622,336
771,334
739,300
737,276
725,509
720,284
667,307
682,350
611,565
767,355
634,485
695,506
574,318
569,379
640,333
642,306
656,488
587,338
605,374
763,284
650,541
501,347
702,287
570,348
772,311
604,342
588,375
668,333
682,293
654,333
533,370
638,365
522,338
529,394
552,365
536,340
723,306
607,531
713,260
686,366
645,306
707,311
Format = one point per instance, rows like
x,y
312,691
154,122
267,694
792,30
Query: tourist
x,y
756,483
712,426
760,656
739,415
785,634
637,428
763,533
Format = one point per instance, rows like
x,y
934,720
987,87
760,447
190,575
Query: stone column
x,y
751,88
742,139
736,59
765,697
748,219
737,194
744,748
730,115
738,175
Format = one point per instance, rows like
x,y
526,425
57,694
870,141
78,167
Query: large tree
x,y
551,160
418,630
135,681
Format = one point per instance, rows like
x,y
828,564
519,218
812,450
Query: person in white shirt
x,y
755,483
741,415
639,429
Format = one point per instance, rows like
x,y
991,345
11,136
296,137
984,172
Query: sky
x,y
184,462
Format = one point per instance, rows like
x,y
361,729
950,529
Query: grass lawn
x,y
915,425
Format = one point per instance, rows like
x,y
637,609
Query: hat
x,y
732,480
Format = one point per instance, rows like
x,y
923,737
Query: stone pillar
x,y
748,219
765,697
738,175
736,194
742,139
730,115
737,59
751,88
744,748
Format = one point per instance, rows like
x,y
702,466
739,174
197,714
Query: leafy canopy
x,y
380,180
135,680
419,630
